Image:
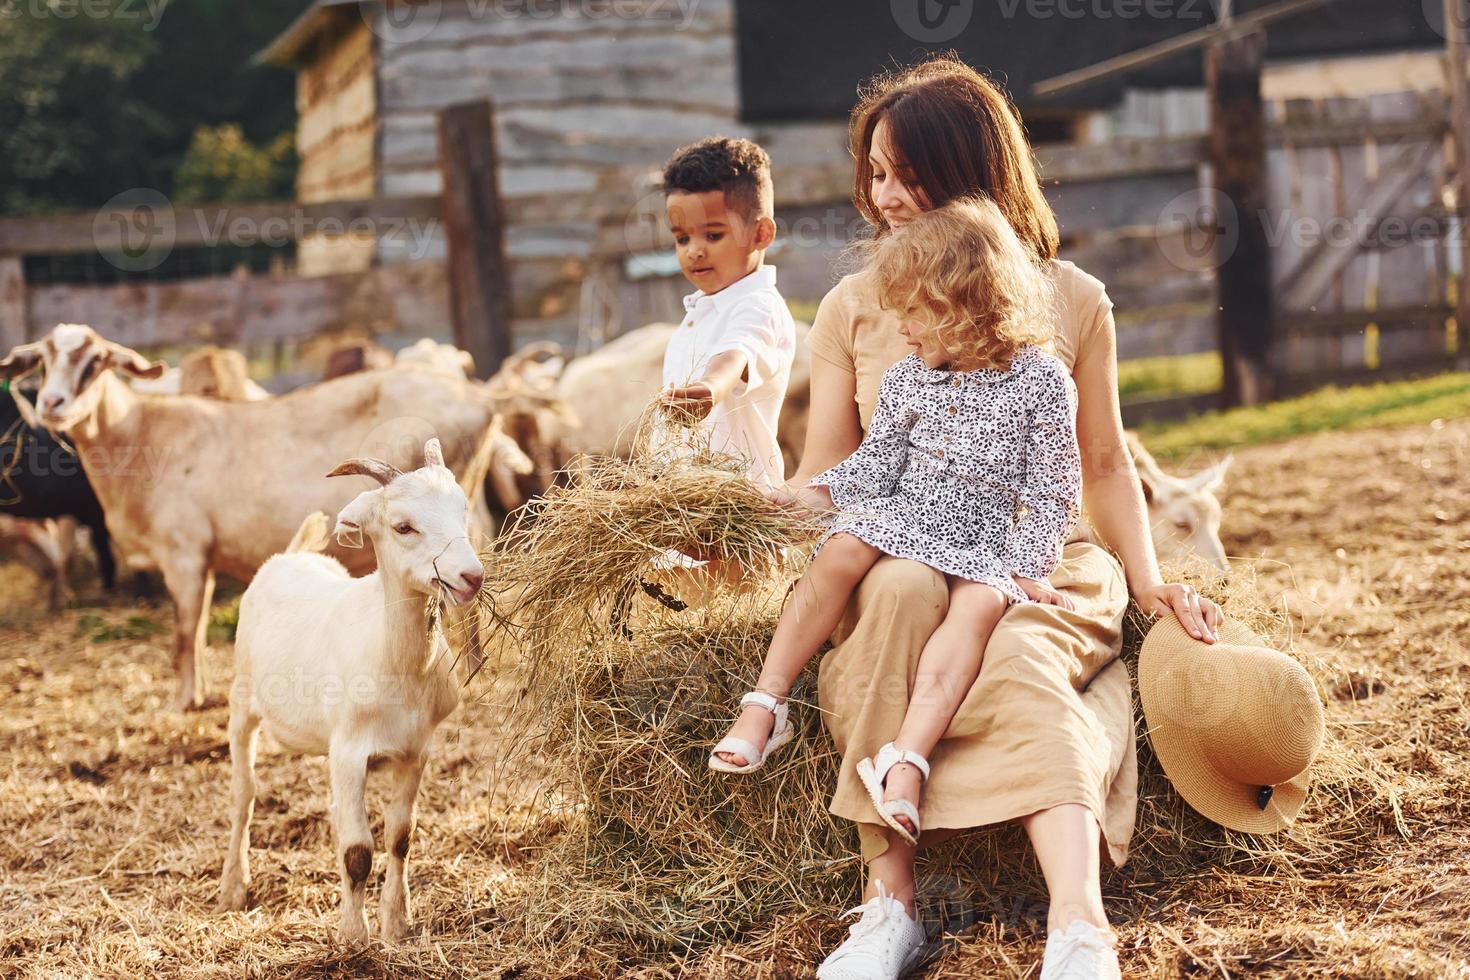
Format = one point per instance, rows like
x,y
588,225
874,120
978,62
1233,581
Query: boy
x,y
730,360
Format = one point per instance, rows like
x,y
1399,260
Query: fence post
x,y
1454,33
474,231
1238,155
14,309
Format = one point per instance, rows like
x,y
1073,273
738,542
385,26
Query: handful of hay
x,y
660,855
575,563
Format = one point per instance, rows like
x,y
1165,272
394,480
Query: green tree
x,y
94,105
222,165
66,135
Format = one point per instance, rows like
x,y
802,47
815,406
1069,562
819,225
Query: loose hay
x,y
630,692
118,878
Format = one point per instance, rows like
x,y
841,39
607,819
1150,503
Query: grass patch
x,y
1390,403
136,627
1187,375
223,620
803,309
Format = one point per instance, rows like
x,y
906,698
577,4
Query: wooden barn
x,y
591,96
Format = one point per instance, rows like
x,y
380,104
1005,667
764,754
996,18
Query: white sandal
x,y
874,771
781,733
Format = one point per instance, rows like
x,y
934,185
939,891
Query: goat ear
x,y
128,360
1147,481
1212,478
433,453
22,360
354,517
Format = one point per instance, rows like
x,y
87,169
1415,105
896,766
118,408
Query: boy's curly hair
x,y
738,167
961,271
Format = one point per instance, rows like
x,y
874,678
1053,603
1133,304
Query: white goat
x,y
1184,512
355,669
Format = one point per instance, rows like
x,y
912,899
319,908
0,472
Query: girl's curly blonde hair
x,y
961,272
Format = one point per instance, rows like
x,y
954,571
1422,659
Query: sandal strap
x,y
903,808
891,755
739,746
761,700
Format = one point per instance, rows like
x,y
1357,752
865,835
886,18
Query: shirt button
x,y
956,382
939,453
953,410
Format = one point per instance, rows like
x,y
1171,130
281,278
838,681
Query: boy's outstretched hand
x,y
1042,592
697,399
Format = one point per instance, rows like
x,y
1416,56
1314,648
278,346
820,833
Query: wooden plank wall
x,y
590,105
336,138
248,312
1376,299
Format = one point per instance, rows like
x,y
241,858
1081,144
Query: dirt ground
x,y
113,818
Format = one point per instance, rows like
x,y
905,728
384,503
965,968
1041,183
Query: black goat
x,y
41,476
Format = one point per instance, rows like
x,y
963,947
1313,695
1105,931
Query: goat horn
x,y
384,473
433,454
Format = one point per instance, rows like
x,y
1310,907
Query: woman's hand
x,y
1042,592
1198,615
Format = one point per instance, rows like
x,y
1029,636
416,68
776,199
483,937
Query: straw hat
x,y
1235,724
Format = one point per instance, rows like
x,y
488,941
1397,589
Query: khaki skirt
x,y
1048,721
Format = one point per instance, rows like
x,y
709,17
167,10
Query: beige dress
x,y
1050,718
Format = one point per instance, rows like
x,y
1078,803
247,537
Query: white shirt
x,y
750,316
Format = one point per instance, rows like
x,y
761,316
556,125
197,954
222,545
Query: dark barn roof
x,y
803,59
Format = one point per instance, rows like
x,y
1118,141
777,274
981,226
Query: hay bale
x,y
630,696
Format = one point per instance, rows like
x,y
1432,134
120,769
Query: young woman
x,y
1045,734
970,466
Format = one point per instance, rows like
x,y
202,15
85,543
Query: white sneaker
x,y
1080,952
882,945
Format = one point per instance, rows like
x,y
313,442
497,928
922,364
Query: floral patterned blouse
x,y
974,473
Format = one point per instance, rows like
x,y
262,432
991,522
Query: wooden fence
x,y
1368,307
1367,250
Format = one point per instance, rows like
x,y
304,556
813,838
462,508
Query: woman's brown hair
x,y
960,135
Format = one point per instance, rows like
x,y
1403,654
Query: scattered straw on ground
x,y
112,824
